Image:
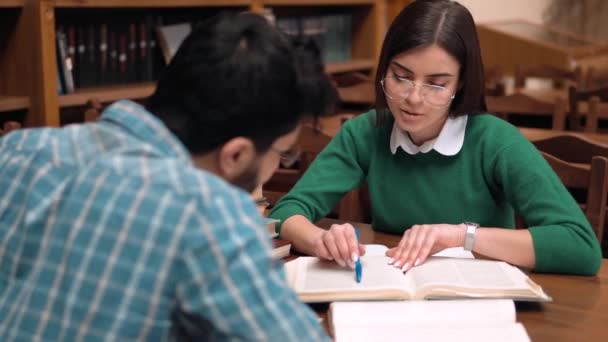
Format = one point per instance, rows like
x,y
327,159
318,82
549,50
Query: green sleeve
x,y
564,241
339,168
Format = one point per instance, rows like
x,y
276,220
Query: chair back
x,y
596,77
572,148
595,100
312,140
594,179
560,77
522,104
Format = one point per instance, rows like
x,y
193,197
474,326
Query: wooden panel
x,y
352,65
514,42
12,103
317,2
38,65
11,3
28,61
394,7
107,94
150,3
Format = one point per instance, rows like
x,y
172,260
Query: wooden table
x,y
534,134
579,311
331,125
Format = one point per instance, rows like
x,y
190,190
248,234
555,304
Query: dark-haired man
x,y
136,227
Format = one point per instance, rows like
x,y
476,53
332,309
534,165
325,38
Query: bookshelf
x,y
107,94
14,99
29,72
11,3
393,7
10,103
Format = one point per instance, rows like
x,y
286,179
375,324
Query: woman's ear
x,y
235,157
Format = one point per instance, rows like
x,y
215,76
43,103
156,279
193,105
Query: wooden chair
x,y
593,179
93,110
521,104
596,78
311,142
355,88
572,148
494,81
561,78
594,99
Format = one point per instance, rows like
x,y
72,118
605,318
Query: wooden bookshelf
x,y
13,103
394,7
107,94
317,2
149,3
11,3
29,67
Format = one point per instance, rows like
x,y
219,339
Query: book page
x,y
448,277
511,332
315,275
468,273
458,313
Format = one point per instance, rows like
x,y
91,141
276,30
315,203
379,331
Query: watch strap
x,y
469,238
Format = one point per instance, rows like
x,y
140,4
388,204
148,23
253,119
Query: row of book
x,y
134,47
96,54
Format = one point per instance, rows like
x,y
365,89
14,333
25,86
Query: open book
x,y
451,320
316,280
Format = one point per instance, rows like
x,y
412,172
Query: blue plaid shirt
x,y
106,229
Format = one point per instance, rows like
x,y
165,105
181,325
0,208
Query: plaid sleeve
x,y
230,281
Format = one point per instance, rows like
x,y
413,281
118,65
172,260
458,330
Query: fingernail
x,y
417,262
391,261
340,262
404,268
351,265
355,257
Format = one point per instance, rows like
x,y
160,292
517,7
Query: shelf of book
x,y
12,103
107,94
141,90
45,22
149,3
352,65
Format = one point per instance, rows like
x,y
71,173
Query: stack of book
x,y
280,248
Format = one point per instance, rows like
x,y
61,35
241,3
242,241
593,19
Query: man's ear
x,y
235,157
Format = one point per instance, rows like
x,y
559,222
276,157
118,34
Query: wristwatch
x,y
469,238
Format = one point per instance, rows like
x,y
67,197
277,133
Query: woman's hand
x,y
420,241
339,243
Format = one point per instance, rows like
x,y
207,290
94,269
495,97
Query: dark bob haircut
x,y
449,25
238,76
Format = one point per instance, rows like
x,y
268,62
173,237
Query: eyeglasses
x,y
288,157
399,88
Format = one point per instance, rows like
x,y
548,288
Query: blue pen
x,y
358,268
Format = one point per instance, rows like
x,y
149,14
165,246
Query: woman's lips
x,y
410,114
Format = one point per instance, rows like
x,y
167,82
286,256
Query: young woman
x,y
438,173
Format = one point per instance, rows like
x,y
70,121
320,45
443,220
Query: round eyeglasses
x,y
399,88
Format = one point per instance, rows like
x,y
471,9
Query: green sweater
x,y
496,173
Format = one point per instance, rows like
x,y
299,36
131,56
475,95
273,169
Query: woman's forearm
x,y
513,246
301,232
